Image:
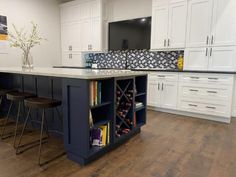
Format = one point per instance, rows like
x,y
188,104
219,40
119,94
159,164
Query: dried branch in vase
x,y
25,41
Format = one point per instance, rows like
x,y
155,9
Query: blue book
x,y
99,93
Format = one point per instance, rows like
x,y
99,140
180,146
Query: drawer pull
x,y
192,105
212,92
210,107
161,76
194,77
212,78
191,90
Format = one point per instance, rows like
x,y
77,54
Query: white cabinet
x,y
159,27
208,94
222,59
224,23
162,90
168,24
196,59
212,59
199,23
82,24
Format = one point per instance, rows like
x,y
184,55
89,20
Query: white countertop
x,y
72,73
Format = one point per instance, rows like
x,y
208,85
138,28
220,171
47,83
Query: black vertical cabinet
x,y
115,91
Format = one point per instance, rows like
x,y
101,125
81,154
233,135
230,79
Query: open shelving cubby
x,y
101,113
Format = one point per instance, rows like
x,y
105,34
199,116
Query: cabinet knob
x,y
70,48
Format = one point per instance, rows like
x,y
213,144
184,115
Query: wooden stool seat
x,y
19,96
3,92
38,102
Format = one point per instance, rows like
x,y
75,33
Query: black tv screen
x,y
130,34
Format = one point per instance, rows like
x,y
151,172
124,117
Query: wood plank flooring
x,y
169,146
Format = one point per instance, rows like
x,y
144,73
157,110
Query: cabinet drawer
x,y
208,109
207,79
205,93
164,77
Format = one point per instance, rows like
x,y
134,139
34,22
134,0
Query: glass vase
x,y
27,60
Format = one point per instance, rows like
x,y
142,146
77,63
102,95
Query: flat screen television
x,y
130,34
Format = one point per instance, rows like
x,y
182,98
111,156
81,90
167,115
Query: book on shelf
x,y
95,93
100,136
138,104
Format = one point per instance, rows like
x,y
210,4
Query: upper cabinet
x,y
199,23
211,23
169,24
82,24
224,23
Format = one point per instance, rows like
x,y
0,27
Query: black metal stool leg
x,y
17,122
41,136
22,132
6,121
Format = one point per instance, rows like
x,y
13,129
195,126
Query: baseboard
x,y
194,115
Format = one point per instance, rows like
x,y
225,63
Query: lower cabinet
x,y
162,90
210,95
212,59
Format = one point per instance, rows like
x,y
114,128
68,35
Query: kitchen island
x,y
91,99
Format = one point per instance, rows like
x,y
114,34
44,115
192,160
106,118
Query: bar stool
x,y
3,93
17,98
43,104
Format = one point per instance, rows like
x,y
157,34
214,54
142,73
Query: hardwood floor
x,y
169,146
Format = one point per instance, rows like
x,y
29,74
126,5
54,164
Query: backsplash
x,y
137,59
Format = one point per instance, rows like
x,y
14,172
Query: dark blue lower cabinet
x,y
79,103
77,106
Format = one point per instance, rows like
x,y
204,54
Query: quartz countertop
x,y
72,73
182,71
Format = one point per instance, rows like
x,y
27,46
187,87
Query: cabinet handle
x,y
207,41
192,105
158,86
212,40
161,76
212,92
70,48
206,52
194,77
193,90
88,47
210,107
162,87
165,43
91,47
213,78
211,52
70,56
168,42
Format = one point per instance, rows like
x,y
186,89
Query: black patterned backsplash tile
x,y
137,59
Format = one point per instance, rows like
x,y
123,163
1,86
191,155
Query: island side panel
x,y
76,118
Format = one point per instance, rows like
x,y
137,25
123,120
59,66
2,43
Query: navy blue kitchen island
x,y
121,104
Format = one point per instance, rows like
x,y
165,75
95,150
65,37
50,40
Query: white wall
x,y
129,9
47,15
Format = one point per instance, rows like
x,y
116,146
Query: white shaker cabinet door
x,y
199,23
169,95
224,23
196,59
159,27
222,59
154,97
177,24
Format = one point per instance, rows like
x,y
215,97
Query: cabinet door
x,y
72,59
66,36
222,59
96,34
199,23
154,97
224,23
85,35
169,95
196,58
177,24
159,27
